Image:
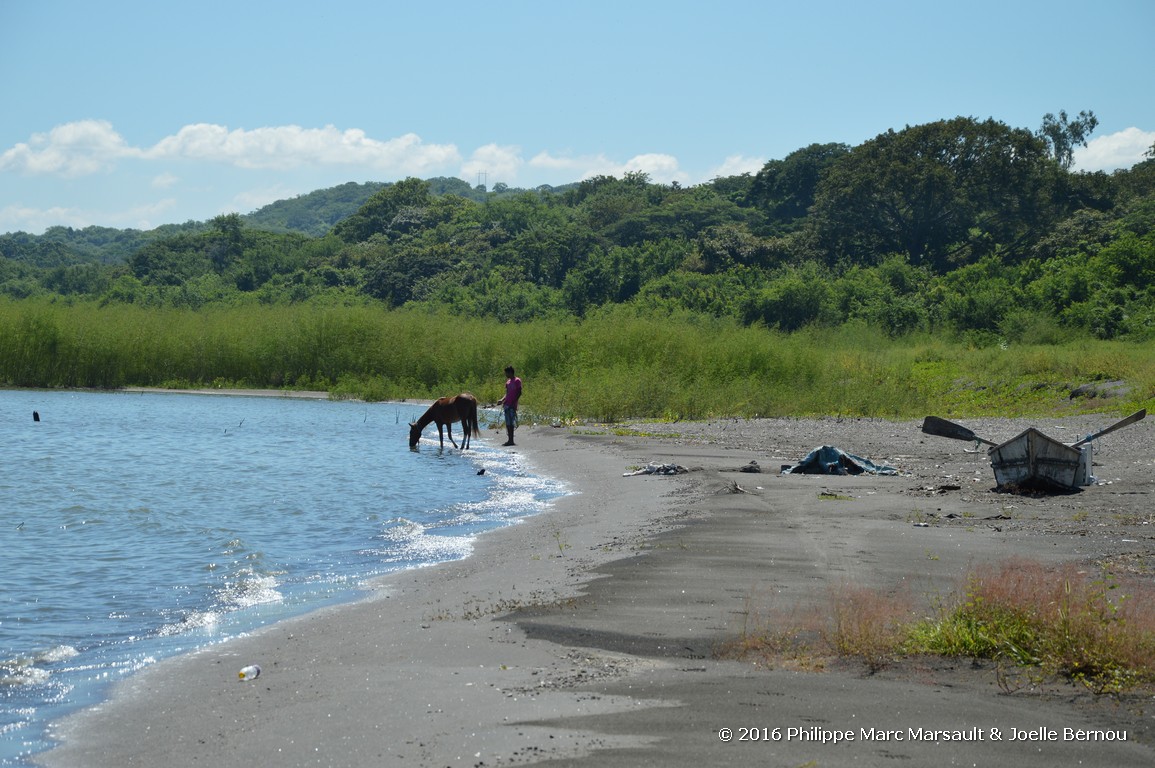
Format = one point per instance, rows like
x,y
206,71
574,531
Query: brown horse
x,y
445,411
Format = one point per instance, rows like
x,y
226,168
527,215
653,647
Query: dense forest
x,y
963,227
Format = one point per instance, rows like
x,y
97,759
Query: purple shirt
x,y
512,392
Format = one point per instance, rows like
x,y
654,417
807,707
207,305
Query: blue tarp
x,y
828,460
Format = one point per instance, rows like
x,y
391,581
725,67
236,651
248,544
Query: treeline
x,y
960,227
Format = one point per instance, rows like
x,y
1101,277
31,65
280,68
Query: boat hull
x,y
1031,460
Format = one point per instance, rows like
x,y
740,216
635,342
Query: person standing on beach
x,y
509,402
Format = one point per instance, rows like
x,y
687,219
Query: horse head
x,y
414,434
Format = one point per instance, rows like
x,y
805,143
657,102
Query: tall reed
x,y
611,366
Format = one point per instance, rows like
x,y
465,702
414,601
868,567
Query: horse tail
x,y
473,417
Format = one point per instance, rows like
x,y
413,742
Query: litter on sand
x,y
828,460
658,469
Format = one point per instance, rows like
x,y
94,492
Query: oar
x,y
1134,417
933,425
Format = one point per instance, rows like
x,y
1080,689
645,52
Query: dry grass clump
x,y
778,637
1089,627
868,624
1094,628
855,622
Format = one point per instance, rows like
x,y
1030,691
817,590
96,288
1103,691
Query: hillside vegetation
x,y
958,265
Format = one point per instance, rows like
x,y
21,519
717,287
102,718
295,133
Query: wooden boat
x,y
1033,461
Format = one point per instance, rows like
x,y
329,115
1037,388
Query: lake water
x,y
136,526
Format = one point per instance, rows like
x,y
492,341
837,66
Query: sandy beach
x,y
592,634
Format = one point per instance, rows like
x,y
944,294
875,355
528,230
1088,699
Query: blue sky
x,y
132,113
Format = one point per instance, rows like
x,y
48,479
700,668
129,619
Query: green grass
x,y
609,367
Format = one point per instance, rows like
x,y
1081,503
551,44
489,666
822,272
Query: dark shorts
x,y
510,416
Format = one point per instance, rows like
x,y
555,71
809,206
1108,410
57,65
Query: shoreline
x,y
587,634
159,713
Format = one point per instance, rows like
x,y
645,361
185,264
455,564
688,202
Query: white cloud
x,y
661,168
736,165
562,169
290,146
70,150
91,146
578,167
203,169
87,147
495,163
145,217
252,199
1116,150
22,218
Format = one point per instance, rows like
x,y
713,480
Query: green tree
x,y
978,297
718,295
796,298
396,276
393,210
229,243
889,297
1062,134
79,279
942,193
314,213
603,201
785,189
604,277
170,261
674,213
727,245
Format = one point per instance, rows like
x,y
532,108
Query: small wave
x,y
401,529
247,588
250,588
409,542
58,653
110,668
22,670
24,713
194,621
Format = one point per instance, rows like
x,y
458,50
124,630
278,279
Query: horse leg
x,y
440,436
449,426
473,426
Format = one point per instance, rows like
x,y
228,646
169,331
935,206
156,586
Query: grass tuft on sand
x,y
1095,629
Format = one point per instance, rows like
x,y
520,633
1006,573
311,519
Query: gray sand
x,y
590,634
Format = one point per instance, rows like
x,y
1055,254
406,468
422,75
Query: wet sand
x,y
592,634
